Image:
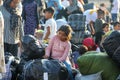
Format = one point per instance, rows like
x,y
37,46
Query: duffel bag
x,y
42,69
93,62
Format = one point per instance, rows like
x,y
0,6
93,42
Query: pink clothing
x,y
58,48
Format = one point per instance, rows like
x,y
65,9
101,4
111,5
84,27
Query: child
x,y
39,34
50,25
98,26
106,30
60,47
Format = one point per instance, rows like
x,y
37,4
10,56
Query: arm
x,y
66,52
49,48
47,33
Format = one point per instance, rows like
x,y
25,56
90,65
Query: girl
x,y
60,47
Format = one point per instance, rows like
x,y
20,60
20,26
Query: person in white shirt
x,y
50,25
115,10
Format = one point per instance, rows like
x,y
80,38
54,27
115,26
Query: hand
x,y
45,57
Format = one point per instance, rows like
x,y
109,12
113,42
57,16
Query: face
x,y
62,36
55,4
14,3
106,29
47,15
117,27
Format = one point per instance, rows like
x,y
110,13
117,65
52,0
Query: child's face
x,y
48,15
117,27
62,36
106,29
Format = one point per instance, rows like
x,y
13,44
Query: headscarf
x,y
58,8
73,6
15,18
58,3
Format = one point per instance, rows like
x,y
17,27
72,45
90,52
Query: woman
x,y
2,60
12,26
73,8
59,9
30,16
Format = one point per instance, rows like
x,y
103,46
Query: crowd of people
x,y
40,18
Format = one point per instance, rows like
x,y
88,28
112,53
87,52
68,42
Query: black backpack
x,y
35,69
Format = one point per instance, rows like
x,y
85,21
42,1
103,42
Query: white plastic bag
x,y
96,76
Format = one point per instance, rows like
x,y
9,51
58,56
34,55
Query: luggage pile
x,y
77,22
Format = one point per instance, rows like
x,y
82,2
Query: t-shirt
x,y
91,15
116,6
60,50
53,27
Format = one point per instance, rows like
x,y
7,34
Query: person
x,y
60,46
72,9
30,16
105,33
105,28
50,25
13,31
40,8
107,13
2,58
91,16
116,25
59,9
65,3
98,26
115,10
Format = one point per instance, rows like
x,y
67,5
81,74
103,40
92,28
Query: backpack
x,y
41,69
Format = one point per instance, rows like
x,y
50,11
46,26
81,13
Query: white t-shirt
x,y
91,15
53,27
116,6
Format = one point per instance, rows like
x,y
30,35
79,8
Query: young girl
x,y
60,47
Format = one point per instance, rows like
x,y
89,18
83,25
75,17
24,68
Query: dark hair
x,y
100,11
104,25
102,4
50,10
67,29
115,24
82,49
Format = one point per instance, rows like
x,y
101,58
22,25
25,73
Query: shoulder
x,y
68,43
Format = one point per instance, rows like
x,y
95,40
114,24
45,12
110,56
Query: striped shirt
x,y
9,35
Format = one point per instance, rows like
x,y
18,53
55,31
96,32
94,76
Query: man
x,y
115,10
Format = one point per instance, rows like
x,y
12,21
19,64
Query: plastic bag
x,y
32,47
35,69
96,76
